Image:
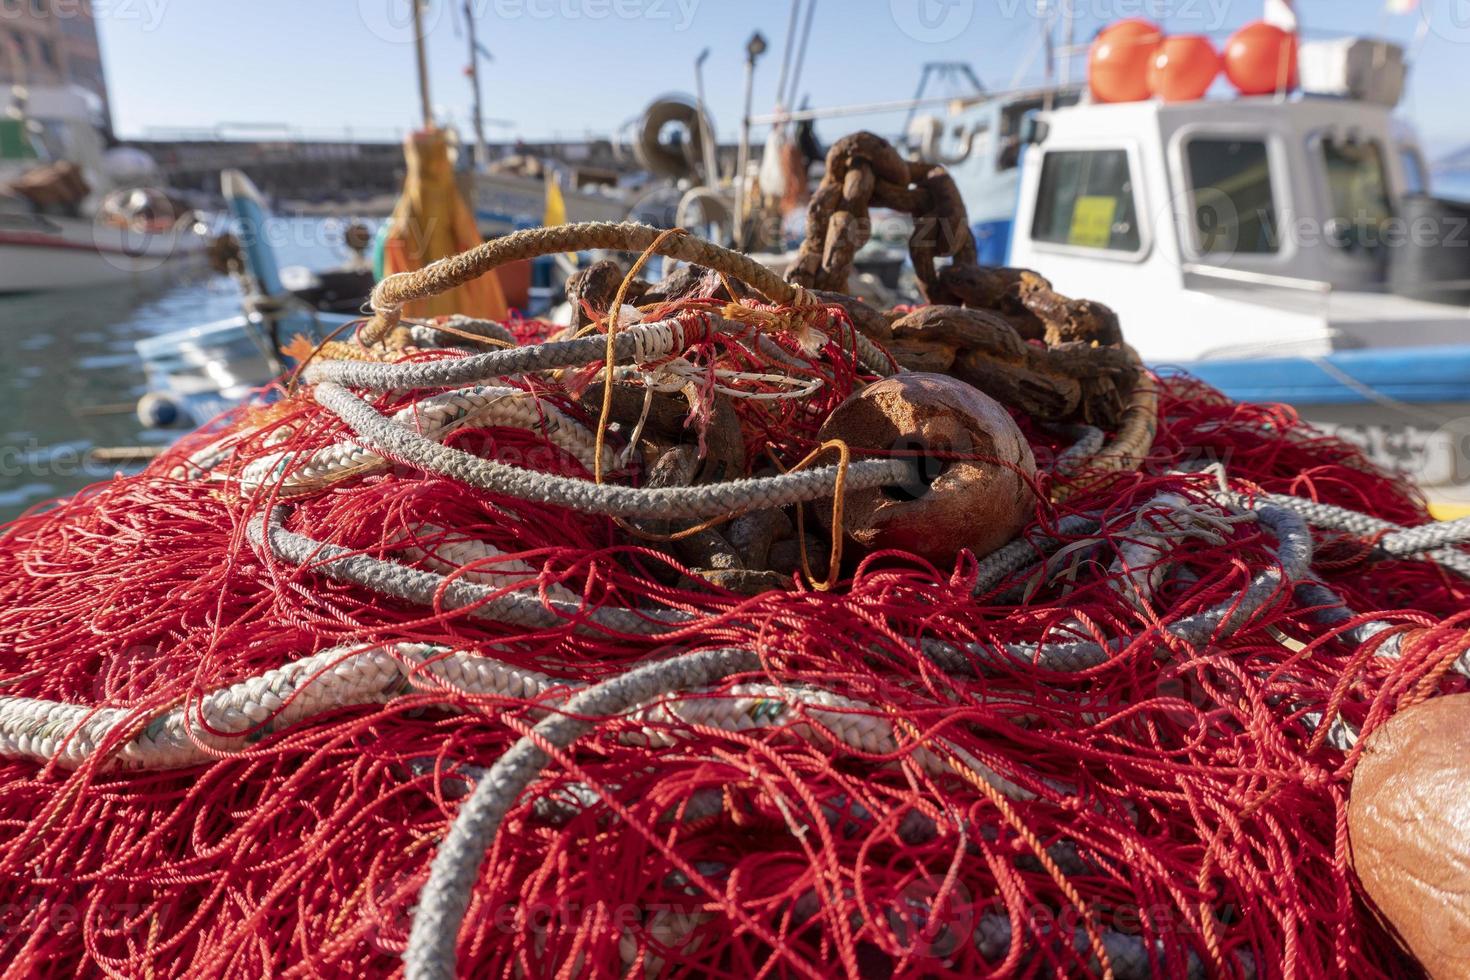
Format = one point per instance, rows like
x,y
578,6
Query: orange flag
x,y
431,222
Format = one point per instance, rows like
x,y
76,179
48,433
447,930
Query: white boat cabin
x,y
1253,227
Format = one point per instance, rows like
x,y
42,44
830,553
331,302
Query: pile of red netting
x,y
1176,809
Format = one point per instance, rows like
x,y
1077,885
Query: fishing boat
x,y
70,216
1283,247
510,197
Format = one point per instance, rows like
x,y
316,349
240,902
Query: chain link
x,y
1005,331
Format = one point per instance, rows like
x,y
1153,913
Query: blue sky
x,y
569,67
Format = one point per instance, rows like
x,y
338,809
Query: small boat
x,y
39,252
68,217
196,373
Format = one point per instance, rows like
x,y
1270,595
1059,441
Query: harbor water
x,y
72,377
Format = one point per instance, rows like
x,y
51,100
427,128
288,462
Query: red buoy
x,y
1184,68
1118,65
1261,59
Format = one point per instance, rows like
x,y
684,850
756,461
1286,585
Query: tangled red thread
x,y
1177,813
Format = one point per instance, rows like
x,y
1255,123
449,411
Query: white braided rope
x,y
196,732
228,721
295,472
449,552
202,462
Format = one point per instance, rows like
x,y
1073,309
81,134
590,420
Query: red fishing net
x,y
889,791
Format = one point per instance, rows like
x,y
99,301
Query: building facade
x,y
51,42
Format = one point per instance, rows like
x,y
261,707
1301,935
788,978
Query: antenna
x,y
482,153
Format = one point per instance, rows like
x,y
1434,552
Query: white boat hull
x,y
67,253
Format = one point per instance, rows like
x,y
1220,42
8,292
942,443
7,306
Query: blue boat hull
x,y
1407,408
1412,375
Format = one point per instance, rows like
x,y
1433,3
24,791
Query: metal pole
x,y
418,48
754,48
706,129
1049,43
1069,39
482,154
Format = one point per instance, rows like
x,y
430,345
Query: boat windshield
x,y
1086,201
1358,181
1234,205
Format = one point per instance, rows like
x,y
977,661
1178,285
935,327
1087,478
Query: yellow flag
x,y
556,205
556,208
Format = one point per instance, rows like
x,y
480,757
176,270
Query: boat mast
x,y
754,48
418,49
482,154
1069,38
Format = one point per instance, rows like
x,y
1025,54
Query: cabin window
x,y
1234,205
1358,181
1416,181
1086,200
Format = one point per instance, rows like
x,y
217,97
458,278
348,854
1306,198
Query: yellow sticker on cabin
x,y
1092,222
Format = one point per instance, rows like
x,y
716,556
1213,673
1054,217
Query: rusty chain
x,y
1005,331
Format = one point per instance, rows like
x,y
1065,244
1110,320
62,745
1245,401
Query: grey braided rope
x,y
433,939
396,581
1433,541
449,334
627,345
1294,551
1089,442
1021,553
386,437
1428,537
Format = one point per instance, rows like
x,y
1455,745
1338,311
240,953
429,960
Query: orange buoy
x,y
1260,59
1184,68
1409,825
1118,65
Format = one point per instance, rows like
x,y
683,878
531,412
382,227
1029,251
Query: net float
x,y
971,477
1409,822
